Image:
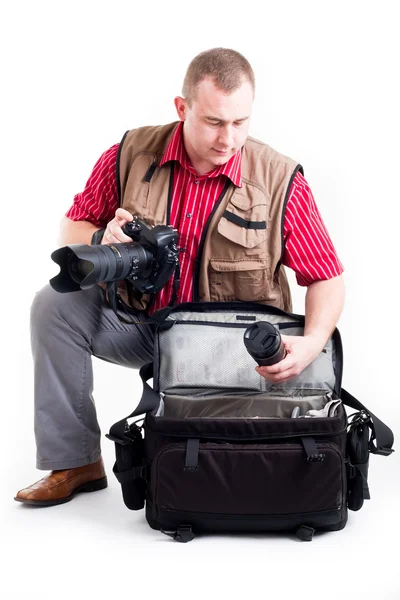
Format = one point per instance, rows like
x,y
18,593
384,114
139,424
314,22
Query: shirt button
x,y
189,215
196,181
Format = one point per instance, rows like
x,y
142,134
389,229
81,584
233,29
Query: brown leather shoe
x,y
61,486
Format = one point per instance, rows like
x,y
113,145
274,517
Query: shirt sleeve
x,y
309,250
99,200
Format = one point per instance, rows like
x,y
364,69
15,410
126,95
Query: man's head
x,y
218,94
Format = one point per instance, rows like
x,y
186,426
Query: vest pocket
x,y
244,280
244,221
246,233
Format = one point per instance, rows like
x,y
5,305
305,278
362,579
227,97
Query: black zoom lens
x,y
81,266
264,343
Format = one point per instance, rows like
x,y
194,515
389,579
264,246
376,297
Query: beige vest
x,y
241,248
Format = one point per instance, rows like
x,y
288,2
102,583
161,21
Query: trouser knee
x,y
46,308
76,311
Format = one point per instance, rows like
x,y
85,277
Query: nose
x,y
225,138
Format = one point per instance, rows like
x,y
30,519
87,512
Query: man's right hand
x,y
113,233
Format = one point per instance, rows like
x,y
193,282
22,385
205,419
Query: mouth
x,y
221,152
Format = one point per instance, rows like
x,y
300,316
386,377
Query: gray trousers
x,y
66,331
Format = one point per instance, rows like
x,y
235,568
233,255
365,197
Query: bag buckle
x,y
382,451
359,419
351,470
118,440
129,435
316,458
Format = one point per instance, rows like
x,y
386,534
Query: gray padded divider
x,y
206,356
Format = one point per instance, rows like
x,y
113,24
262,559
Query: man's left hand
x,y
300,352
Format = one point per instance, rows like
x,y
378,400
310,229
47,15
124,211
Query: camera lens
x,y
79,269
264,343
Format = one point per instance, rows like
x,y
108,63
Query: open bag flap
x,y
201,345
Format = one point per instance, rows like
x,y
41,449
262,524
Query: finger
x,y
282,365
278,377
114,237
122,216
114,229
109,238
281,377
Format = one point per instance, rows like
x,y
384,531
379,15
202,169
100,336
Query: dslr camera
x,y
147,262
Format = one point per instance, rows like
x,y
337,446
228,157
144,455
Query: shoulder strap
x,y
380,432
148,402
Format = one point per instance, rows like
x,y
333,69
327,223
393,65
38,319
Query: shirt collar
x,y
176,151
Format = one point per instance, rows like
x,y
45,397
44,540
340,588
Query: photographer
x,y
242,211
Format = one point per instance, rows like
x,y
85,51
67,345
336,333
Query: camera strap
x,y
175,285
116,304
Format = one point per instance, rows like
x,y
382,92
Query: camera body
x,y
161,243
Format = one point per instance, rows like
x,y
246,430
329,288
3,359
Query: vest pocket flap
x,y
244,236
252,198
229,266
246,219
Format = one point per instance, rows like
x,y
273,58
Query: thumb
x,y
287,341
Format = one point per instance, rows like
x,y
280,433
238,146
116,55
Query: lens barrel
x,y
264,343
82,266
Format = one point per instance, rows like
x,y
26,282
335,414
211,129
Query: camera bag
x,y
218,449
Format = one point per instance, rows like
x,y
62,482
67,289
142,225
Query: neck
x,y
201,166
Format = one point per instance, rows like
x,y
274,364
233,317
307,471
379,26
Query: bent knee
x,y
46,303
49,306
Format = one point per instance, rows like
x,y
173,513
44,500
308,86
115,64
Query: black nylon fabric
x,y
228,481
248,428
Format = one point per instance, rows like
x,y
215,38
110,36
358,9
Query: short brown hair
x,y
227,67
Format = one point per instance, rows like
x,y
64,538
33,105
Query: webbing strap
x,y
148,402
243,223
192,455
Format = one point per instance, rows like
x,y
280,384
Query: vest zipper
x,y
195,297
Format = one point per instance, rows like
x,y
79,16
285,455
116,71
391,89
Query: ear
x,y
180,105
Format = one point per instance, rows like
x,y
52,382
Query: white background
x,y
75,76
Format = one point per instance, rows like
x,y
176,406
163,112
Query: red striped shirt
x,y
193,199
309,250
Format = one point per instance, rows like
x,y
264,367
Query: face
x,y
216,124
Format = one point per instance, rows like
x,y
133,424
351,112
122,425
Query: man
x,y
242,211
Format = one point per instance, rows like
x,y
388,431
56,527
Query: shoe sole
x,y
90,486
